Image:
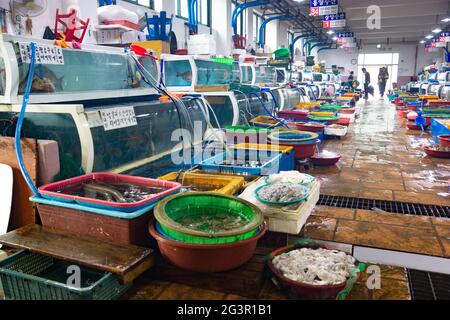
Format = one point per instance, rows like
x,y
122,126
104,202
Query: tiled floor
x,y
380,160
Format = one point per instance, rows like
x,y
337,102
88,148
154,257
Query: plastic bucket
x,y
207,258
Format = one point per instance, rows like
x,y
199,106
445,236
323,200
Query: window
x,y
204,11
257,21
146,3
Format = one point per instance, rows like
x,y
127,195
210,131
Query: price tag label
x,y
118,117
44,54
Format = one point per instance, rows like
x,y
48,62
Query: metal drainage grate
x,y
428,286
389,206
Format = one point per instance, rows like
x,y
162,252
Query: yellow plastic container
x,y
265,147
308,105
157,46
322,114
226,185
429,97
265,122
248,179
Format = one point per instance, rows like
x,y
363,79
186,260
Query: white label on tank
x,y
119,117
94,119
44,54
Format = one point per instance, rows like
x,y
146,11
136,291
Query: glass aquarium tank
x,y
223,109
81,135
247,75
266,75
318,77
66,74
183,73
250,106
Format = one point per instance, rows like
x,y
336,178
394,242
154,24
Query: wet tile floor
x,y
381,160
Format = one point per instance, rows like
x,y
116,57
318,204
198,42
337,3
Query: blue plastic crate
x,y
272,163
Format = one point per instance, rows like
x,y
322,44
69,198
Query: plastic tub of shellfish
x,y
110,191
310,291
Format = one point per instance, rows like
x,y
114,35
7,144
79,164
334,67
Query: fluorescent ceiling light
x,y
430,36
330,31
422,41
335,38
437,30
446,20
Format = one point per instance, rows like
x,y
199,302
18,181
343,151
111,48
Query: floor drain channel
x,y
389,206
428,286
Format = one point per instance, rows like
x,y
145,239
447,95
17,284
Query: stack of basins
x,y
107,206
207,232
304,143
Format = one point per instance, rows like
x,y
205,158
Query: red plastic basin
x,y
310,127
303,150
293,114
304,290
50,191
325,158
437,153
205,257
413,126
347,111
344,121
444,140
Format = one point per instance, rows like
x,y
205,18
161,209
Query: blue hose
x,y
26,97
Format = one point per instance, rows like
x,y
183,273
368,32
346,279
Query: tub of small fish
x,y
309,271
244,161
110,191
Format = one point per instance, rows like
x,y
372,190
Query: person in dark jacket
x,y
366,81
383,77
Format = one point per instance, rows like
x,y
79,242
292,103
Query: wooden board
x,y
23,211
126,261
247,280
218,88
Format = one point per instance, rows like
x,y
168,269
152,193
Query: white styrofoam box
x,y
288,219
116,12
132,36
111,36
202,44
339,132
118,36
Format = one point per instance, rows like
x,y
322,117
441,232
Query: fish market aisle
x,y
381,160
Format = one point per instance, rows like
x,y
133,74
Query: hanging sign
x,y
436,43
334,21
430,48
445,37
345,35
324,7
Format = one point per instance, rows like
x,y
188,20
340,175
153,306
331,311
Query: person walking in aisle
x,y
366,76
383,77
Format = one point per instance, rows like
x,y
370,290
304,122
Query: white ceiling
x,y
401,20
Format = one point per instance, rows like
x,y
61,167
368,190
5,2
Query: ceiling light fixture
x,y
335,38
430,36
422,41
437,30
330,31
446,20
